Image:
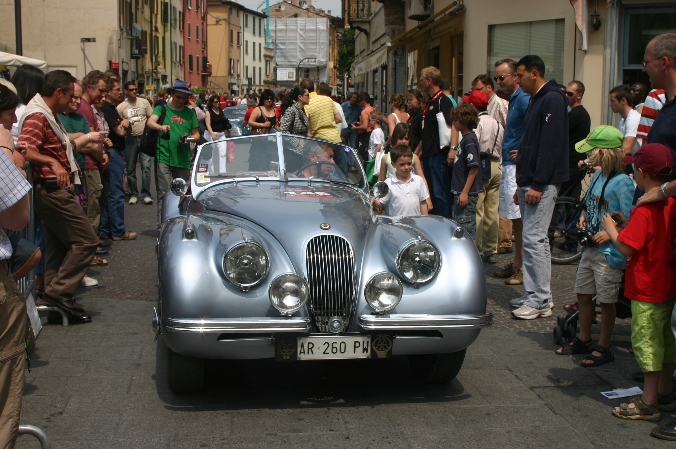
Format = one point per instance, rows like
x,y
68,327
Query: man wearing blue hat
x,y
173,158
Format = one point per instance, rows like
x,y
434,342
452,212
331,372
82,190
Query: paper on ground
x,y
622,392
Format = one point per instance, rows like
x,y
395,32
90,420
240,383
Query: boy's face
x,y
403,166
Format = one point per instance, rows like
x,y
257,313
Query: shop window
x,y
544,38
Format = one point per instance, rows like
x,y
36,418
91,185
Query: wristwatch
x,y
454,147
662,187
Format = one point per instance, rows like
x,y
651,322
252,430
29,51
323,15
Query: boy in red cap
x,y
649,283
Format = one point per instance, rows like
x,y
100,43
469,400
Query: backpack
x,y
149,137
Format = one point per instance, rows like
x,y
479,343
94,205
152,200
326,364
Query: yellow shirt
x,y
320,116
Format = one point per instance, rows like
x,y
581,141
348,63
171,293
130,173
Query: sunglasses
x,y
132,90
570,94
497,79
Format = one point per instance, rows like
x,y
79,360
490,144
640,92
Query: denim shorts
x,y
466,216
22,252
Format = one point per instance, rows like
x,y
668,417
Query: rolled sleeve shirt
x,y
13,187
40,137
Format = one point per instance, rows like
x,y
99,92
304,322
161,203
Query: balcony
x,y
359,11
206,69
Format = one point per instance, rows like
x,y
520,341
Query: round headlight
x,y
288,293
245,264
418,262
383,291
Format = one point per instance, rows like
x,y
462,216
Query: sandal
x,y
665,402
576,346
640,410
598,360
99,261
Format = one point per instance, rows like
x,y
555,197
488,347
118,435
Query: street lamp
x,y
300,62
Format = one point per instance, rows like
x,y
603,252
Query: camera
x,y
584,236
185,139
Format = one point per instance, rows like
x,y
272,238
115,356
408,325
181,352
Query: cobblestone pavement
x,y
103,385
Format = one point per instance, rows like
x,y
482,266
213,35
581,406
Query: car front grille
x,y
331,277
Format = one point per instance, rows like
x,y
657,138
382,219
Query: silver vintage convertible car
x,y
275,252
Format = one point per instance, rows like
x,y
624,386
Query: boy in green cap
x,y
600,269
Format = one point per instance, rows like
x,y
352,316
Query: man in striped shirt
x,y
651,107
70,241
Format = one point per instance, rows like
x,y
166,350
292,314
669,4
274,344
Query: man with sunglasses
x,y
136,110
579,125
173,158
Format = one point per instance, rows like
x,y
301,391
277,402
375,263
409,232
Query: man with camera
x,y
600,269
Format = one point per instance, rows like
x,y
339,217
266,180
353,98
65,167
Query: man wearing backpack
x,y
173,158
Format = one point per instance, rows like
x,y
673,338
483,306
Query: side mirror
x,y
380,189
179,187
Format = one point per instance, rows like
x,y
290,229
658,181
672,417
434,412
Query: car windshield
x,y
253,156
237,112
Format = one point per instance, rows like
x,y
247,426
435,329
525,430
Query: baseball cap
x,y
653,158
476,97
603,136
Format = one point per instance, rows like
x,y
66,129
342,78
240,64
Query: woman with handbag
x,y
294,120
264,118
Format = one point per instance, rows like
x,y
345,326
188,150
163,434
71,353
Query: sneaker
x,y
517,302
126,236
147,200
491,259
530,313
89,282
506,272
516,278
133,200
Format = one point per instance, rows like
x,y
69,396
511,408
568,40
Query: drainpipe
x,y
610,59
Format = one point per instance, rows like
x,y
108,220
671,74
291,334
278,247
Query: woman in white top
x,y
398,115
401,133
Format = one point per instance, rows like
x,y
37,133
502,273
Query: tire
x,y
436,368
558,335
185,374
564,212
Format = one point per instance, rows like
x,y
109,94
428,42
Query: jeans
x,y
466,216
164,175
537,260
436,172
112,215
133,154
350,138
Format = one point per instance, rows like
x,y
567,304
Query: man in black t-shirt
x,y
112,210
579,125
435,157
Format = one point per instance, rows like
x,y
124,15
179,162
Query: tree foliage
x,y
346,51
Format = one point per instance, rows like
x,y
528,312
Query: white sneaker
x,y
133,200
89,282
530,313
147,200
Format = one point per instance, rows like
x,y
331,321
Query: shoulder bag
x,y
149,137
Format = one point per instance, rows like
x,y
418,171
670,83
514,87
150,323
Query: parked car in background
x,y
235,114
276,253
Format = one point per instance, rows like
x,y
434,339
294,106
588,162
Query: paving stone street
x,y
103,384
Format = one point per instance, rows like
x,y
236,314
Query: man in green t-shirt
x,y
173,158
76,125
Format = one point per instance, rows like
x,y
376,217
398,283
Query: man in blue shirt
x,y
352,110
505,76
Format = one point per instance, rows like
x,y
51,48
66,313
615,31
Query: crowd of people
x,y
494,160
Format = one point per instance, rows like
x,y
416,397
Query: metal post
x,y
17,27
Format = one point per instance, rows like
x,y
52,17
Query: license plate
x,y
330,347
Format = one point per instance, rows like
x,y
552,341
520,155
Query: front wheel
x,y
186,374
564,245
436,368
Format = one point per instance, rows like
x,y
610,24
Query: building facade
x,y
465,38
253,36
193,52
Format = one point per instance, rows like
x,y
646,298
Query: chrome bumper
x,y
423,322
239,325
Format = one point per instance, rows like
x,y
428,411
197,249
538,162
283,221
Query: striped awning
x,y
9,59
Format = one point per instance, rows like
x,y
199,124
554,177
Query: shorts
x,y
507,188
651,336
466,216
595,276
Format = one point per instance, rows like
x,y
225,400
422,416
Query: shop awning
x,y
10,59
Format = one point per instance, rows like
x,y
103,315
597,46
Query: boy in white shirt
x,y
377,136
407,193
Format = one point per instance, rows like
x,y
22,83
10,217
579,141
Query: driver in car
x,y
318,164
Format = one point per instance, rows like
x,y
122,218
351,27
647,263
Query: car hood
x,y
293,212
